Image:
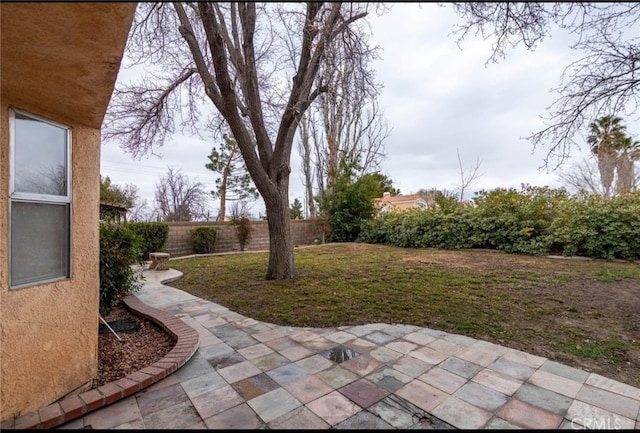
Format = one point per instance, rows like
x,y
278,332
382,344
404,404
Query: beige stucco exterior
x,y
59,61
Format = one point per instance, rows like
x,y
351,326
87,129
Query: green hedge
x,y
204,239
536,221
153,237
119,250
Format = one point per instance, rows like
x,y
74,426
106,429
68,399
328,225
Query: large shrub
x,y
119,250
535,220
204,239
153,237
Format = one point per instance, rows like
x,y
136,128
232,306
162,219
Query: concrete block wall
x,y
305,232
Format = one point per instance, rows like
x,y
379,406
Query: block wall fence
x,y
305,232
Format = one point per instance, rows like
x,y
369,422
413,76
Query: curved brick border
x,y
72,407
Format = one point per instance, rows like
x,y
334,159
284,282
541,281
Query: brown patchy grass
x,y
583,313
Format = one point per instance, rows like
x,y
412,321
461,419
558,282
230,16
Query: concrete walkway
x,y
247,374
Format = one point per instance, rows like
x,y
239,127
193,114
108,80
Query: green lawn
x,y
577,311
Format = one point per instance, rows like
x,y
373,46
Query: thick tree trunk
x,y
281,265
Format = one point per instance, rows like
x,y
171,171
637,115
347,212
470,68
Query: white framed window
x,y
39,200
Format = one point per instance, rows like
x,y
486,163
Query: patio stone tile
x,y
497,381
389,379
422,395
364,392
555,383
287,373
384,354
445,347
362,330
429,355
419,338
333,408
178,416
379,337
461,414
340,337
274,404
461,367
255,351
240,417
565,371
269,362
280,343
196,366
308,389
532,361
254,386
226,360
613,386
401,346
239,371
318,344
203,384
477,355
496,423
300,418
443,380
481,396
315,363
543,398
120,412
460,340
486,346
303,336
361,365
610,401
336,377
411,366
360,345
296,352
363,420
590,416
511,368
160,399
528,416
214,351
216,401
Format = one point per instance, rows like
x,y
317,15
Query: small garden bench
x,y
159,261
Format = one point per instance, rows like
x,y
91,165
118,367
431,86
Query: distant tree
x,y
604,81
178,198
468,176
351,201
234,182
116,195
296,209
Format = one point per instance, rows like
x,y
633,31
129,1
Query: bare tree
x,y
582,177
468,175
605,80
236,56
347,124
179,199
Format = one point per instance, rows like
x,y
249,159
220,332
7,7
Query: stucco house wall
x,y
60,62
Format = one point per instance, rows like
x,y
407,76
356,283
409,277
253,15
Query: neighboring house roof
x,y
400,202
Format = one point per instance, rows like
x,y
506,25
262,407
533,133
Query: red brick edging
x,y
72,407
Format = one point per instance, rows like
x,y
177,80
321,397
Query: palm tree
x,y
605,138
629,153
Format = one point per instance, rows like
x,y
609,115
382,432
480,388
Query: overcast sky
x,y
438,99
